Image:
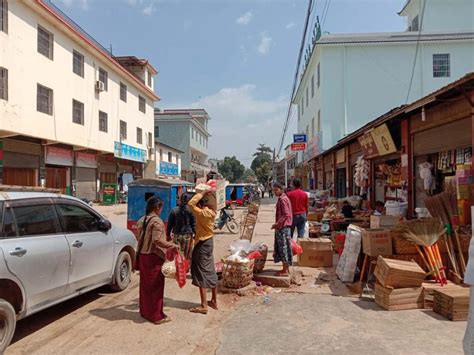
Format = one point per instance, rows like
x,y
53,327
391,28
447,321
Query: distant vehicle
x,y
53,248
238,195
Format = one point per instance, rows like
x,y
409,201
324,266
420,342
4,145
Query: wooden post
x,y
407,150
349,177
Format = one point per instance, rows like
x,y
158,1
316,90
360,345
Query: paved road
x,y
306,319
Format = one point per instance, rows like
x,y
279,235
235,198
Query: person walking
x,y
181,227
283,221
151,255
300,206
203,270
262,190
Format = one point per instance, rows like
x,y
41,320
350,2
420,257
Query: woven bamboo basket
x,y
252,208
259,264
237,274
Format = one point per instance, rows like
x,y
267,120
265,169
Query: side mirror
x,y
104,225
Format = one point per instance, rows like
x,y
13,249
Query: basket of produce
x,y
237,274
259,262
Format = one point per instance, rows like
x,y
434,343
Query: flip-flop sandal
x,y
213,305
164,320
198,310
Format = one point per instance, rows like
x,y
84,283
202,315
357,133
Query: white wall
x,y
26,67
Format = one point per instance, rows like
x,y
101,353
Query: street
x,y
320,316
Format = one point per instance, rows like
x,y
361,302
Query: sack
x,y
296,248
169,269
181,269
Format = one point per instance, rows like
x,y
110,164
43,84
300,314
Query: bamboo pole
x,y
461,256
423,258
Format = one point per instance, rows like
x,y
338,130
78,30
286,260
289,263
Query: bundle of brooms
x,y
444,207
425,233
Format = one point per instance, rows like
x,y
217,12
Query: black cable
x,y
295,80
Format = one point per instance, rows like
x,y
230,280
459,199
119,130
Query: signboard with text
x,y
125,151
299,138
383,140
368,146
297,147
168,169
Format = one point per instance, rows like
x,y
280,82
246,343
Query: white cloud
x,y
290,25
245,18
240,121
149,9
266,42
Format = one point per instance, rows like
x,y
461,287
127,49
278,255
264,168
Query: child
x,y
379,208
347,210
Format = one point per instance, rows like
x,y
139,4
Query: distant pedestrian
x,y
203,270
300,206
261,188
270,190
152,247
181,227
283,221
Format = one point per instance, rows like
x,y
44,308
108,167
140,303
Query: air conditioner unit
x,y
99,85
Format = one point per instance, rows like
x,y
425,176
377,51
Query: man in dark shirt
x,y
347,210
299,205
182,226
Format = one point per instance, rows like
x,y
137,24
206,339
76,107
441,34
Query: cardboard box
x,y
217,199
398,274
376,242
383,221
317,252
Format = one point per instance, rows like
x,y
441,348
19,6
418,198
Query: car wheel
x,y
7,324
122,272
233,227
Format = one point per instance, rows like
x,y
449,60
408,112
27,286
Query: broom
x,y
436,207
426,232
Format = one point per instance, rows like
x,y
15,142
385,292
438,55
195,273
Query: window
x,y
45,42
150,139
414,24
139,136
4,16
142,104
161,154
75,219
441,66
123,92
319,121
192,133
3,83
319,75
35,220
302,106
149,78
312,86
9,227
104,77
123,130
307,96
78,63
157,131
312,127
44,99
170,157
77,112
177,158
103,124
299,112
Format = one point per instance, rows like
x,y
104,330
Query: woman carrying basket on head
x,y
151,255
182,227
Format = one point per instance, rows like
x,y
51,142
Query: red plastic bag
x,y
255,254
170,254
181,269
296,248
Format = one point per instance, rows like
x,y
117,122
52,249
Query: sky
x,y
234,58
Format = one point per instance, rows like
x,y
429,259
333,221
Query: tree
x,y
262,163
231,169
249,176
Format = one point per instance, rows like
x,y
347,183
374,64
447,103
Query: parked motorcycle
x,y
226,218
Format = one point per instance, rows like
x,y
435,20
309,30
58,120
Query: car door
x,y
92,250
35,250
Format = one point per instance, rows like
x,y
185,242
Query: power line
x,y
325,13
295,80
416,51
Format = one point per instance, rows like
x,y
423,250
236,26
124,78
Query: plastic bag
x,y
169,269
296,248
255,254
181,269
306,230
240,245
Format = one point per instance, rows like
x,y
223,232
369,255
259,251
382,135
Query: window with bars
x,y
441,65
45,42
123,92
104,77
170,157
312,86
3,83
44,99
103,122
123,130
142,104
139,136
77,112
4,16
78,63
